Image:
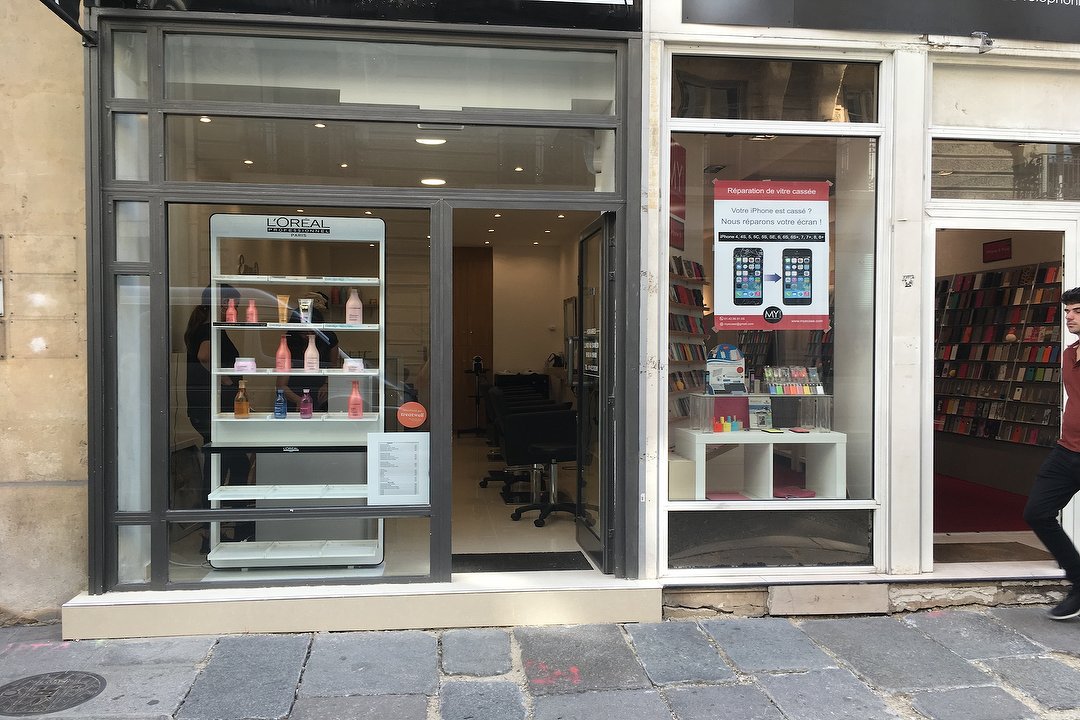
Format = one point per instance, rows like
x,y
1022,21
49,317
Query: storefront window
x,y
758,89
132,390
133,554
426,77
770,348
131,151
133,232
266,150
1004,170
299,337
129,65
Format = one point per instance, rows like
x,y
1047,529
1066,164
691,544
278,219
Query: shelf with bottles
x,y
298,327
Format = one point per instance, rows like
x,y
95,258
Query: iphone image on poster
x,y
797,276
747,276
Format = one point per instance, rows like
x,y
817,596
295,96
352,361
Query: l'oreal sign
x,y
594,14
301,225
1049,20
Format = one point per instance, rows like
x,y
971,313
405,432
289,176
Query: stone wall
x,y
43,460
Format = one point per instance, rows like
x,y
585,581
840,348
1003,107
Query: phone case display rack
x,y
997,357
686,335
327,434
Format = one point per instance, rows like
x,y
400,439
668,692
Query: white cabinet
x,y
300,462
746,463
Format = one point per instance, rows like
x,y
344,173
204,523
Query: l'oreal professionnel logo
x,y
298,225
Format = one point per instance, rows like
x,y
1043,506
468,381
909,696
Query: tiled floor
x,y
481,520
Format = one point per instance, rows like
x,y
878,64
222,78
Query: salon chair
x,y
540,441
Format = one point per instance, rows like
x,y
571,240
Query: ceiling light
x,y
519,169
491,229
299,210
320,125
536,243
367,212
487,242
431,141
249,162
547,231
498,214
432,181
944,173
371,245
205,119
561,216
344,165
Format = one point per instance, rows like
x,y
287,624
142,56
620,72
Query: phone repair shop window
x,y
770,324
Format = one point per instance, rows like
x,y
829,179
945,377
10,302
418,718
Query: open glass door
x,y
593,373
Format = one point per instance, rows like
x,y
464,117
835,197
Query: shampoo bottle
x,y
281,410
241,406
283,360
356,403
305,405
354,309
230,311
252,312
311,355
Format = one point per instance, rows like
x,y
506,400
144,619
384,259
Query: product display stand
x,y
311,461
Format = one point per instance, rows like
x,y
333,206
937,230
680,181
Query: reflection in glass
x,y
756,89
1004,170
133,554
132,391
443,77
132,147
129,65
760,538
132,232
244,150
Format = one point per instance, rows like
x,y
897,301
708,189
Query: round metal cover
x,y
48,692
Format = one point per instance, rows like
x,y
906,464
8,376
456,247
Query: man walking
x,y
1058,479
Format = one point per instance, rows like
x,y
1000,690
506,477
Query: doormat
x,y
987,552
518,562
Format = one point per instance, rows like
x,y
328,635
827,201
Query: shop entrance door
x,y
593,373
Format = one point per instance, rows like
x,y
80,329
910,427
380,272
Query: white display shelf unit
x,y
309,441
824,452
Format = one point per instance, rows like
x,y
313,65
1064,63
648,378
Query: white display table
x,y
824,452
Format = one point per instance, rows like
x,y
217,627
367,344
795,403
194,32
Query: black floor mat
x,y
987,552
518,562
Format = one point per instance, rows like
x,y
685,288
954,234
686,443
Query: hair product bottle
x,y
311,355
241,406
230,311
306,404
283,360
356,402
252,311
281,410
354,309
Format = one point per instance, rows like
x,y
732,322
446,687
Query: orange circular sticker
x,y
412,415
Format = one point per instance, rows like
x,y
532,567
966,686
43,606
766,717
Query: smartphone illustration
x,y
747,276
798,268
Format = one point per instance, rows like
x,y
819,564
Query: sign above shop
x,y
591,14
1051,20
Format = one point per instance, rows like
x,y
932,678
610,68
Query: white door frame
x,y
971,215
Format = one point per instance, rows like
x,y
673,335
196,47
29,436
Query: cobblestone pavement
x,y
959,664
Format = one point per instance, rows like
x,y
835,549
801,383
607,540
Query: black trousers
x,y
1055,484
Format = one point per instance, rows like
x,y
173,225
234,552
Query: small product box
x,y
760,411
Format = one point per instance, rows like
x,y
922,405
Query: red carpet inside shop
x,y
962,506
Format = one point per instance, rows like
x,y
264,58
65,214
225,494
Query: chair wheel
x,y
515,515
538,522
483,483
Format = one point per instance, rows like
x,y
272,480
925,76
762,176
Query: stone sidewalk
x,y
958,664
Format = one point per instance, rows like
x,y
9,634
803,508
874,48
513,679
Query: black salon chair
x,y
540,441
499,405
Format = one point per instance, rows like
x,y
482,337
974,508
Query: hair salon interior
x,y
372,314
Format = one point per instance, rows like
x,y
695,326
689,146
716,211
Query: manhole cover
x,y
49,692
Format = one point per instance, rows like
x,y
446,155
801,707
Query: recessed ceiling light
x,y
344,165
432,181
371,245
491,229
487,242
536,243
299,210
320,125
367,212
205,119
519,169
249,162
431,141
561,216
944,173
498,214
547,231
